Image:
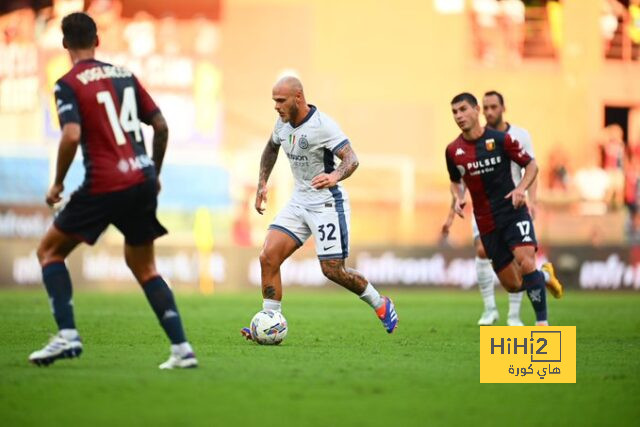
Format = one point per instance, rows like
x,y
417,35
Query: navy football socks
x,y
58,284
534,284
163,304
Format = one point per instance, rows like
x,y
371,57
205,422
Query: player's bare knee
x,y
527,265
512,287
268,262
46,252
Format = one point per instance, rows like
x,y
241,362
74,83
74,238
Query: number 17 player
x,y
481,157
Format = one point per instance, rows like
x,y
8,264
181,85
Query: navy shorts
x,y
499,243
132,211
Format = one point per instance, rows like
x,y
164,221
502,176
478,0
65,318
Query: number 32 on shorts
x,y
327,231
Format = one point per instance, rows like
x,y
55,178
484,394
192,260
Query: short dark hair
x,y
495,93
79,31
465,96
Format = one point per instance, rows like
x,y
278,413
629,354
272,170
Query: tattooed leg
x,y
348,278
278,246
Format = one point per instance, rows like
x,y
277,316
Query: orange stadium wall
x,y
386,70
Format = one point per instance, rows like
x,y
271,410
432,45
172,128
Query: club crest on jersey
x,y
490,144
303,142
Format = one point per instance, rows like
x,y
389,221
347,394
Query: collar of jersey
x,y
474,140
82,61
312,109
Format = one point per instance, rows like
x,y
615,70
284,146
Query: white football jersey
x,y
311,148
522,136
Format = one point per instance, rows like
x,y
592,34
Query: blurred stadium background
x,y
386,70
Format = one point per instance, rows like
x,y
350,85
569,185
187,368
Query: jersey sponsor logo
x,y
123,166
490,144
134,163
481,166
297,158
482,163
459,152
102,72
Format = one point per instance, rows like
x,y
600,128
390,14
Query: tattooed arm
x,y
348,165
267,161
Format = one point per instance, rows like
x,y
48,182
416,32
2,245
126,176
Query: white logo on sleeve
x,y
459,152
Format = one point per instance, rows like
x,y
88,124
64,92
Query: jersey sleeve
x,y
274,135
515,151
525,140
333,138
66,104
454,173
147,108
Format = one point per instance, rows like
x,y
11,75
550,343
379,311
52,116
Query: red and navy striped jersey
x,y
108,103
485,167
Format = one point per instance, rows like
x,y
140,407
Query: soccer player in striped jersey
x,y
101,108
480,160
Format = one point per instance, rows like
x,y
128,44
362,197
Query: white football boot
x,y
57,348
179,360
514,321
488,318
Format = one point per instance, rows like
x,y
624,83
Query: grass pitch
x,y
336,367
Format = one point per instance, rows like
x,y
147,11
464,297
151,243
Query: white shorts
x,y
329,226
474,227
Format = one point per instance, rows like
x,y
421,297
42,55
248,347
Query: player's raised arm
x,y
349,163
66,152
267,161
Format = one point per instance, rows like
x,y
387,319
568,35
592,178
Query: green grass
x,y
337,366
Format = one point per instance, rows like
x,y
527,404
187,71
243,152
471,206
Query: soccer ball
x,y
268,327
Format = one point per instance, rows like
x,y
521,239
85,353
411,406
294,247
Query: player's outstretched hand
x,y
261,196
53,195
517,196
324,180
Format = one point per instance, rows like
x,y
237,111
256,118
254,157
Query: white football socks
x,y
486,283
545,273
181,349
371,296
68,334
515,299
271,304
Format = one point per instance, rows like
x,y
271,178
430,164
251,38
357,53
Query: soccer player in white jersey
x,y
493,109
319,205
